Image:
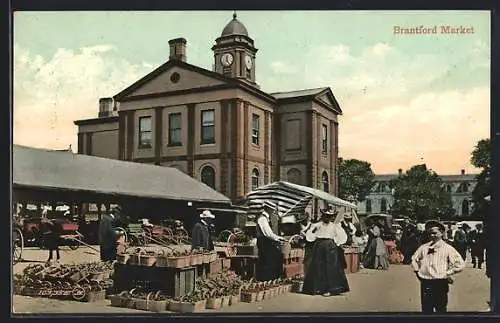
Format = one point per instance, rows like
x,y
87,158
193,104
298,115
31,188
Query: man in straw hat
x,y
326,271
270,265
434,263
201,237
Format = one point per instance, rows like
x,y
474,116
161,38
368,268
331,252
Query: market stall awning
x,y
65,171
292,199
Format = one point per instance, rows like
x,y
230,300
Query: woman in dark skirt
x,y
326,273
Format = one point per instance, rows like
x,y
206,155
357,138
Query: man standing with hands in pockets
x,y
434,263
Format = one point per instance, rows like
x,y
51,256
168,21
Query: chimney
x,y
106,107
400,172
462,172
177,49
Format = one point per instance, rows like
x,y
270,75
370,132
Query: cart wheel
x,y
17,245
73,244
78,293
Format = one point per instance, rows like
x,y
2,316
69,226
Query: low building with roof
x,y
380,199
218,126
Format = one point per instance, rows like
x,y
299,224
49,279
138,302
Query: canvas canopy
x,y
292,200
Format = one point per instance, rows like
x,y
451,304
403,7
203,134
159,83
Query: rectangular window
x,y
255,129
324,140
145,133
292,135
208,127
174,129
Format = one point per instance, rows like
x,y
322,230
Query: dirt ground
x,y
395,290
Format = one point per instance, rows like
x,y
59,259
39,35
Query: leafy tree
x,y
355,179
419,194
481,158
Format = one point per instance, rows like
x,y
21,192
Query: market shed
x,y
64,170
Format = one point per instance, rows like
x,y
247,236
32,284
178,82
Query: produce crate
x,y
174,282
352,260
215,267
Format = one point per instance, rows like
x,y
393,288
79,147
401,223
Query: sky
x,y
406,99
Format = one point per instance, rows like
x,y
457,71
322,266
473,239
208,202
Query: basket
x,y
286,248
225,301
143,259
157,306
248,297
178,262
207,258
95,296
174,306
260,296
213,256
116,300
234,299
122,258
214,303
142,304
96,275
187,307
195,259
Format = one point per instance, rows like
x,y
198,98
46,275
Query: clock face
x,y
226,59
248,62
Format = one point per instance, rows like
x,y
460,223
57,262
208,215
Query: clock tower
x,y
234,52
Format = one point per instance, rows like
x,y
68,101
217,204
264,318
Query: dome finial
x,y
234,14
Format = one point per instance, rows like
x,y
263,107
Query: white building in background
x,y
381,199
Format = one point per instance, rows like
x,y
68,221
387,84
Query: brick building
x,y
219,126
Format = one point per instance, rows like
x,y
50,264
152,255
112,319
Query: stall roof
x,y
62,170
291,199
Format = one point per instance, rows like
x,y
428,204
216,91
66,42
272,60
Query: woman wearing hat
x,y
270,265
325,275
201,237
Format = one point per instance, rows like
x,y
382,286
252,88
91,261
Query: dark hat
x,y
329,212
116,209
433,223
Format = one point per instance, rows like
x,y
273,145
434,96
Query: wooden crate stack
x,y
293,262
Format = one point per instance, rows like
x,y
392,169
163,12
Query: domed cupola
x,y
234,27
234,52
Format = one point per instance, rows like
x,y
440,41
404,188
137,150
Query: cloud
x,y
440,127
50,94
402,109
280,67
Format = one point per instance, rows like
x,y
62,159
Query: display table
x,y
352,259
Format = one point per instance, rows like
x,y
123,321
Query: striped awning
x,y
291,199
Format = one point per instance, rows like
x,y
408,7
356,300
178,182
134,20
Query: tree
x,y
419,194
355,179
481,158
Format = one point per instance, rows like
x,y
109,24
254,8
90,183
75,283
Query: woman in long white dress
x,y
326,273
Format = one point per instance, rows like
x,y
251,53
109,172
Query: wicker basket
x,y
196,307
178,262
122,258
214,303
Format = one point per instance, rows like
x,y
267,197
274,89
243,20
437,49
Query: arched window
x,y
255,178
324,179
208,176
368,206
465,207
383,205
294,176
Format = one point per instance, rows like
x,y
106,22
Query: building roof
x,y
445,178
64,170
234,27
300,93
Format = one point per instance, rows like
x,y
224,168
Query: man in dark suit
x,y
460,241
477,246
107,234
201,237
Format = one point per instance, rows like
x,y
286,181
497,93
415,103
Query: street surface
x,y
395,290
